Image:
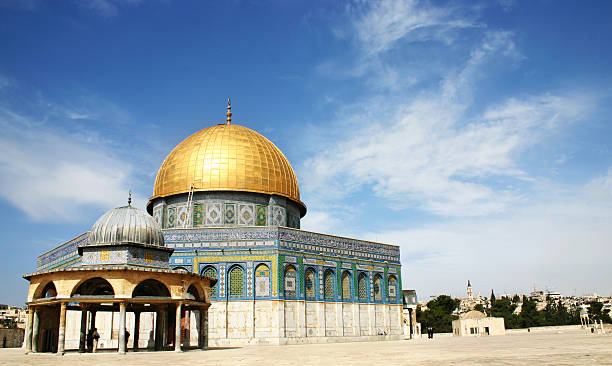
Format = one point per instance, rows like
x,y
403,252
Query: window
x,y
392,286
377,287
329,284
309,283
362,287
346,285
236,279
211,272
262,281
290,286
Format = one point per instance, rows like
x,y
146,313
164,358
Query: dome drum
x,y
227,209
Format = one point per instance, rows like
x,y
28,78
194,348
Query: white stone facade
x,y
298,321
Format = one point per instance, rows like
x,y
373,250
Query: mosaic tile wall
x,y
125,255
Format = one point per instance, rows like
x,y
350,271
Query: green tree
x,y
596,312
439,314
504,308
492,297
529,316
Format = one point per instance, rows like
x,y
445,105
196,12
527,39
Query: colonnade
x,y
89,309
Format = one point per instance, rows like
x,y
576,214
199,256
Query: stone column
x,y
83,335
62,329
35,327
157,331
93,319
121,328
28,332
136,329
203,336
177,329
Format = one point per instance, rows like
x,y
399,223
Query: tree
x,y
492,297
529,316
596,312
504,308
439,314
480,308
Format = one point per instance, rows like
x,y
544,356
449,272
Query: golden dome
x,y
227,157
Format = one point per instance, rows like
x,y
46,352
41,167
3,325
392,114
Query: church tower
x,y
469,290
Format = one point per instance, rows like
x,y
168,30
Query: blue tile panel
x,y
64,253
280,237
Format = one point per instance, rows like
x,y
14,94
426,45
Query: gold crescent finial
x,y
229,111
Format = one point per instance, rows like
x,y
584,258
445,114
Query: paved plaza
x,y
537,348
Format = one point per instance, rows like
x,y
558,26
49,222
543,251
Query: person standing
x,y
95,336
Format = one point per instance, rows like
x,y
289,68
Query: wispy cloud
x,y
380,25
52,175
107,8
430,153
557,241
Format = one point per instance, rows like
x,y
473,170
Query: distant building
x,y
475,323
14,313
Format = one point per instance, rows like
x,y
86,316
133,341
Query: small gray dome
x,y
126,225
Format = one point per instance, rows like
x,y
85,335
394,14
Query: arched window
x,y
211,272
392,286
346,285
309,283
262,281
377,287
362,287
193,293
151,288
328,283
97,286
236,281
290,279
48,291
181,269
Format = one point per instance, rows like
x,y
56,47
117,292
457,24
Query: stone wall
x,y
11,337
234,323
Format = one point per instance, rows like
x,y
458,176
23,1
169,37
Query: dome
x,y
126,225
227,157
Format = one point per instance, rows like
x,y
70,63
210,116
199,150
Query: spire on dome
x,y
130,198
229,111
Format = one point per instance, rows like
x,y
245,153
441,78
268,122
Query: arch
x,y
309,283
181,269
346,285
290,286
377,287
236,281
262,280
211,272
328,284
46,291
392,287
193,293
151,288
362,286
96,286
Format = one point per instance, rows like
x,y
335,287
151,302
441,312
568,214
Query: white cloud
x,y
559,242
107,8
380,25
430,153
53,175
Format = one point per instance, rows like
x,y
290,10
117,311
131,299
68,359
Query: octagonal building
x,y
228,203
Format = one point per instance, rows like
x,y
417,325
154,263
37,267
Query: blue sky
x,y
475,135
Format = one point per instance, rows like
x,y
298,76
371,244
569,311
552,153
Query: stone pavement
x,y
542,348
